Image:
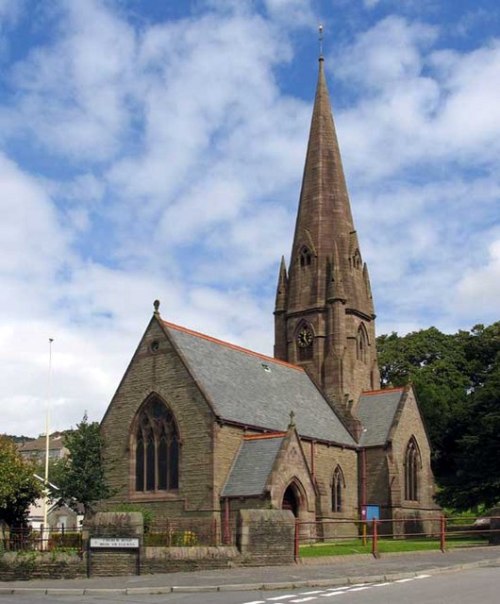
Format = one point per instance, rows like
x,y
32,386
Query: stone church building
x,y
201,428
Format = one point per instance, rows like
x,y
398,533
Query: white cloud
x,y
73,94
294,13
33,241
480,286
178,174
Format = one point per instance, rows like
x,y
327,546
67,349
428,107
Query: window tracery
x,y
156,448
412,465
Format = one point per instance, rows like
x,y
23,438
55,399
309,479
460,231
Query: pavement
x,y
319,572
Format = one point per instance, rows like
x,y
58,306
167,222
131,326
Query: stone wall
x,y
266,536
20,566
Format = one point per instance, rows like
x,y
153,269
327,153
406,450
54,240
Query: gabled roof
x,y
254,390
251,469
377,410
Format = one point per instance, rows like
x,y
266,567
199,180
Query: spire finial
x,y
320,30
292,420
156,305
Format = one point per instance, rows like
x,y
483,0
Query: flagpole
x,y
45,534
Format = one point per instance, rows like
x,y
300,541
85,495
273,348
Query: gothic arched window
x,y
412,466
305,256
338,486
156,448
362,344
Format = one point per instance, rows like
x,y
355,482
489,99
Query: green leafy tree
x,y
476,476
437,366
18,487
81,478
450,374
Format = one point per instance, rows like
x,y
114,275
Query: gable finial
x,y
156,305
292,420
320,30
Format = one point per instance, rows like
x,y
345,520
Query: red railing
x,y
376,535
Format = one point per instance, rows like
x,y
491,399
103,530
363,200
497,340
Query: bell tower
x,y
324,314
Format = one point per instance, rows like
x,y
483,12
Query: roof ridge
x,y
264,436
371,392
231,346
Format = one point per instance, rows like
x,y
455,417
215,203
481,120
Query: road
x,y
465,587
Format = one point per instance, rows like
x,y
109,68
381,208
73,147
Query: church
x,y
201,428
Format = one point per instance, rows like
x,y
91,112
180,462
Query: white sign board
x,y
115,542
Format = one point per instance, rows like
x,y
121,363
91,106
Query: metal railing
x,y
42,539
375,536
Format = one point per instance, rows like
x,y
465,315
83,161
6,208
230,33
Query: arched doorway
x,y
291,500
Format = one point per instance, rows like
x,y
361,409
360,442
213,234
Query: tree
x,y
437,366
18,487
81,479
476,477
453,376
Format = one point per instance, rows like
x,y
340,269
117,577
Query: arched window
x,y
338,486
305,256
156,448
362,344
412,467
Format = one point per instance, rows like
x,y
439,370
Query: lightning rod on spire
x,y
320,30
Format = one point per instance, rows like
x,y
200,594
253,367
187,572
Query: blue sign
x,y
371,512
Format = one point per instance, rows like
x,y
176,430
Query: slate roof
x,y
255,390
376,410
252,467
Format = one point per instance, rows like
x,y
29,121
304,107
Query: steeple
x,y
324,317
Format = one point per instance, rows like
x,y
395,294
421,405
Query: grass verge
x,y
355,546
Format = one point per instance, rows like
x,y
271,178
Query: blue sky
x,y
155,150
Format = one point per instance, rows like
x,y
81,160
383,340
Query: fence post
x,y
214,532
296,541
442,533
227,537
375,539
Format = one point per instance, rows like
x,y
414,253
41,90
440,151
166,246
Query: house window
x,y
156,448
412,466
338,486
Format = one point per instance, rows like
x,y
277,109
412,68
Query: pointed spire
x,y
281,290
366,278
324,207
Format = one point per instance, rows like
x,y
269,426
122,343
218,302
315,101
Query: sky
x,y
154,150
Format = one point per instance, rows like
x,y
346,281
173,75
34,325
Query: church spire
x,y
324,208
325,322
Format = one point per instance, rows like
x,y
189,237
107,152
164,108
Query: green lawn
x,y
355,546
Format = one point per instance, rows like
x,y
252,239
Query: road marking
x,y
304,599
422,576
256,602
312,593
338,588
277,598
361,588
382,584
404,580
334,593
